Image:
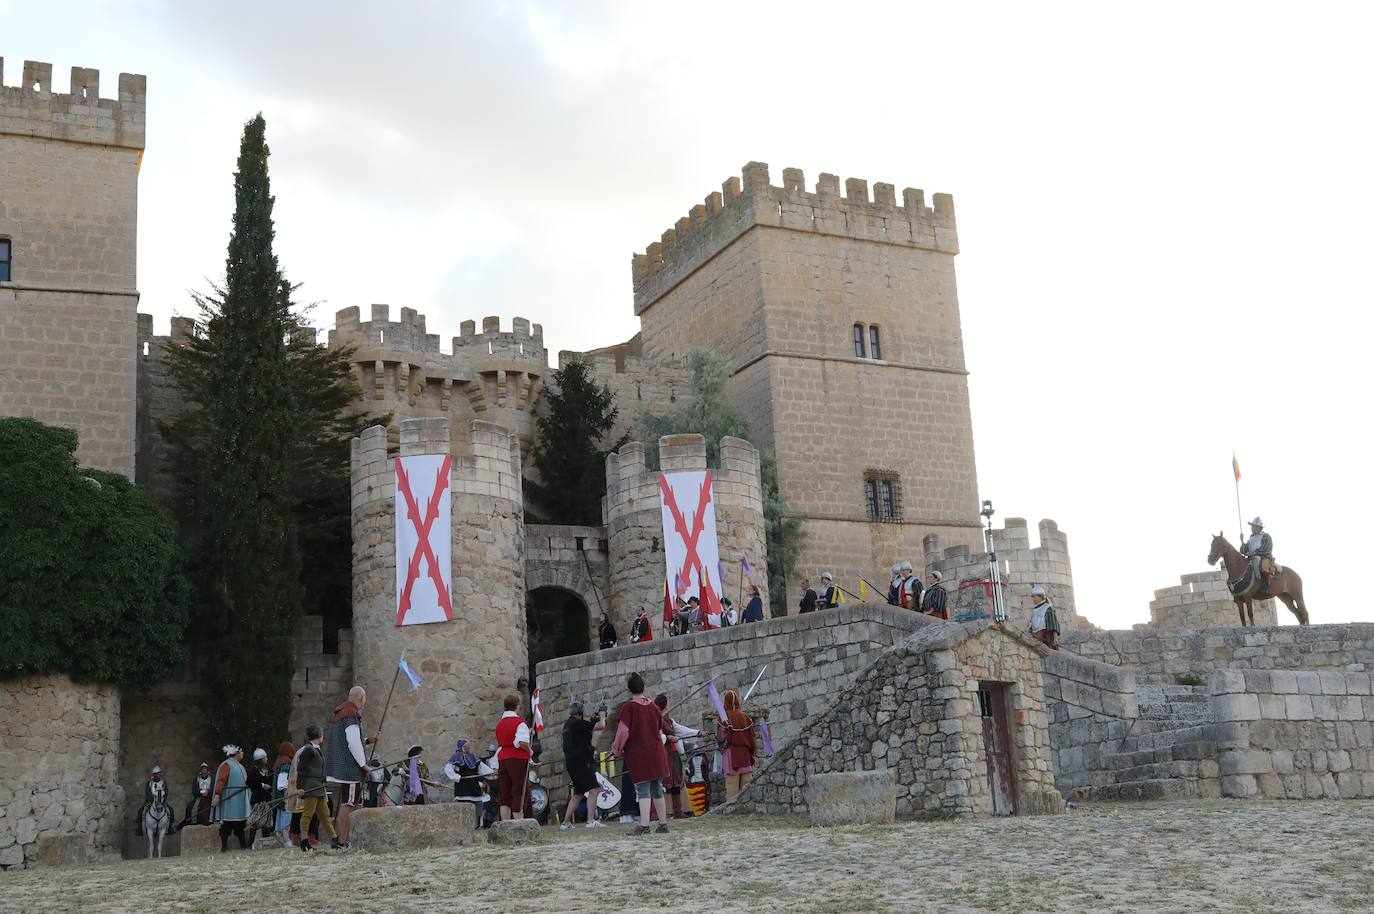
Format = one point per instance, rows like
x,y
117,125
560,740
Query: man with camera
x,y
580,760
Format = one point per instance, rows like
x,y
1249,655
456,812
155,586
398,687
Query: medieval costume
x,y
281,775
753,610
807,604
735,737
513,761
154,786
198,809
1044,624
729,615
377,780
605,633
261,818
933,602
412,774
640,629
909,589
1259,549
638,740
830,594
672,734
894,587
229,805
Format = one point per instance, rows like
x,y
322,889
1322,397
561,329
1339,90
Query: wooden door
x,y
992,705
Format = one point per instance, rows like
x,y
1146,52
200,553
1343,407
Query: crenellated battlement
x,y
751,200
80,115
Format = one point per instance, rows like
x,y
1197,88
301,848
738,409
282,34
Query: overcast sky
x,y
1164,210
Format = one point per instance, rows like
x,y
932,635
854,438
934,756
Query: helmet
x,y
936,575
1037,591
259,754
1256,522
827,576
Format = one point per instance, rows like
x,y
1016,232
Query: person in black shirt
x,y
605,632
808,600
579,760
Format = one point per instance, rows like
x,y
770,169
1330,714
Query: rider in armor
x,y
198,808
1259,548
154,786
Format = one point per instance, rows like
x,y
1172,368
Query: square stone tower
x,y
68,228
839,316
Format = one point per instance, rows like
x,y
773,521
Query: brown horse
x,y
1286,585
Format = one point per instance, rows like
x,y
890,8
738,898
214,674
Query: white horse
x,y
157,819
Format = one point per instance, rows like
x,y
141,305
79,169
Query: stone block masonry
x,y
810,659
69,186
59,747
1203,601
1091,708
469,664
1295,734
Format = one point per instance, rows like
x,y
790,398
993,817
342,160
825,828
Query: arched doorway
x,y
557,623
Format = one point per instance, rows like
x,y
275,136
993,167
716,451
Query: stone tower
x,y
68,229
469,664
839,316
634,521
493,376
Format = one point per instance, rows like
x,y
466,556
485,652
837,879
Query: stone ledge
x,y
852,797
514,833
400,828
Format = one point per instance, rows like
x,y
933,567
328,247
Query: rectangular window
x,y
882,495
858,341
4,260
874,349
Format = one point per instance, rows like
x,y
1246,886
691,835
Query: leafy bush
x,y
1188,679
92,579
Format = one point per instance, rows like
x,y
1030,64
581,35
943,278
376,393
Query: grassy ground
x,y
1222,856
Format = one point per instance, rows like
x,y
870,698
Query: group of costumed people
x,y
686,616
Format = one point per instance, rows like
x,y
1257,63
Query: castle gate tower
x,y
466,665
839,316
68,225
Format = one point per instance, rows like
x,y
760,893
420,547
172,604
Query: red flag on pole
x,y
1235,466
667,604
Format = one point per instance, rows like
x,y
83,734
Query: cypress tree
x,y
569,455
249,561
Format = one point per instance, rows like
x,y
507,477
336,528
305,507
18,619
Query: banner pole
x,y
1240,523
376,737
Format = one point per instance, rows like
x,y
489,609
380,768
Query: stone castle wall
x,y
1022,567
1203,601
640,386
775,278
493,376
810,659
69,169
1092,708
1295,735
1157,655
571,558
915,711
634,520
469,664
59,749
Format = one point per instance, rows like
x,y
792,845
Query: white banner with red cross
x,y
689,540
424,539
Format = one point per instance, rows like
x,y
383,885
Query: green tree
x,y
710,413
92,582
249,562
569,455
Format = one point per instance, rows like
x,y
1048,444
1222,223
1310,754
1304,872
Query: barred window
x,y
874,350
5,260
882,495
858,341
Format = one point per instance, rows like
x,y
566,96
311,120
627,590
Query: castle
x,y
836,310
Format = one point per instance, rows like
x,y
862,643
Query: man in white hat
x,y
1044,624
155,785
1260,549
934,601
830,594
909,588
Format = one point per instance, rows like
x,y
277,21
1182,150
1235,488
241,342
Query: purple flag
x,y
720,566
767,740
716,703
744,566
415,775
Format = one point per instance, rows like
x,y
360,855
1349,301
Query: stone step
x,y
1161,737
1135,791
1159,771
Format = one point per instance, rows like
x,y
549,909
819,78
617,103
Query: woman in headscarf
x,y
735,736
413,776
261,818
281,774
229,805
462,768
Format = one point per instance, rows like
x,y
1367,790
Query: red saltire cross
x,y
692,560
422,548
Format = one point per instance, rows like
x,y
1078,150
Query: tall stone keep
x,y
469,664
839,315
68,228
634,521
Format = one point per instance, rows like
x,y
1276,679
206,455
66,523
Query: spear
x,y
756,682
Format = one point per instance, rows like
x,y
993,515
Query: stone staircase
x,y
1170,751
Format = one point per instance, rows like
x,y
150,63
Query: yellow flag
x,y
863,591
839,595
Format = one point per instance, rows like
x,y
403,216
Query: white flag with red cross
x,y
424,539
689,540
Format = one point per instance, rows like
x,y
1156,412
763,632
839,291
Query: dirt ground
x,y
1213,856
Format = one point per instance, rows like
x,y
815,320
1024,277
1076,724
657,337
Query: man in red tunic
x,y
638,741
512,759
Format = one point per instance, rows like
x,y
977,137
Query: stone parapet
x,y
1091,708
1202,600
79,115
742,204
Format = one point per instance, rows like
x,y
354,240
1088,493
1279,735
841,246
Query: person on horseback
x,y
154,786
1259,549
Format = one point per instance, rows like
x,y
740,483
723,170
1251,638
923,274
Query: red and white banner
x,y
424,540
689,540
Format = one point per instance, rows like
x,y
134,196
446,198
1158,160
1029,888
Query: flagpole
x,y
376,737
876,589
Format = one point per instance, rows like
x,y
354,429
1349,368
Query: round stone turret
x,y
634,521
469,664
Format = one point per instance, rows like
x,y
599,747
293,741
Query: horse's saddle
x,y
1255,586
